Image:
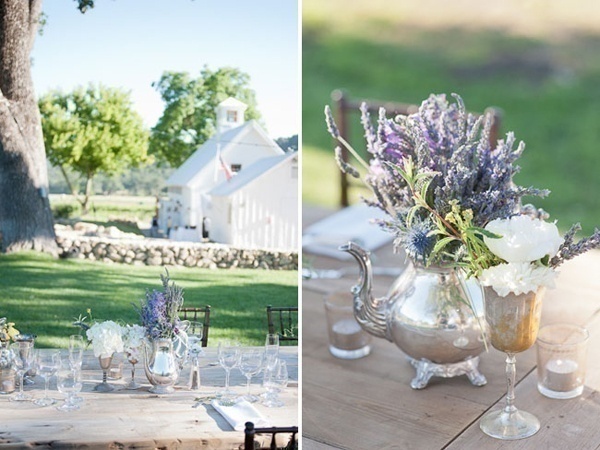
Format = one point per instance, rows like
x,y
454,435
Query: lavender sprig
x,y
570,249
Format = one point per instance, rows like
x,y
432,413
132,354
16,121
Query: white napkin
x,y
240,413
354,223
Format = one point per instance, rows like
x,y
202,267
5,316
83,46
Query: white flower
x,y
524,239
106,338
518,278
133,336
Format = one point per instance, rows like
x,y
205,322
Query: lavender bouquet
x,y
441,182
159,310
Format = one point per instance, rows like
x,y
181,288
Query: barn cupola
x,y
230,114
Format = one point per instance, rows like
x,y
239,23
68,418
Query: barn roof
x,y
249,174
204,156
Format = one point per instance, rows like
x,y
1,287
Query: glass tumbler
x,y
347,340
561,360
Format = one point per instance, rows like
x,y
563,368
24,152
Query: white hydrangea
x,y
524,239
106,338
133,337
518,278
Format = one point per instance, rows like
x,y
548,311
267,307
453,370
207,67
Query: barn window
x,y
295,169
232,116
235,168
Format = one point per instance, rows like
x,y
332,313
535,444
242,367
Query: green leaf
x,y
485,232
439,245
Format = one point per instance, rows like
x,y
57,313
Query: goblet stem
x,y
510,383
104,375
248,385
227,380
132,373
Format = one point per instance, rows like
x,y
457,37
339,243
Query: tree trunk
x,y
25,216
88,193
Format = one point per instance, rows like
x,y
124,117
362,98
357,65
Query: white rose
x,y
524,239
518,278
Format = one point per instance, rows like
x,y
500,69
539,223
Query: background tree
x,y
25,216
92,130
189,116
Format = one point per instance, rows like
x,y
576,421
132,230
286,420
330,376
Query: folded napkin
x,y
354,223
240,413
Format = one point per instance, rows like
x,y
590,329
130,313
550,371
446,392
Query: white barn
x,y
239,186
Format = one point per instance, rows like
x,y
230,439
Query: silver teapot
x,y
432,314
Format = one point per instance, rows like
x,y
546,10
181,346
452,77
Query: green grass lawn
x,y
547,88
43,295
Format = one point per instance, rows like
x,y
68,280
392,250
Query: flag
x,y
225,168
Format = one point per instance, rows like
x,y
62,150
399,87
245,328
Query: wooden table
x,y
368,403
139,419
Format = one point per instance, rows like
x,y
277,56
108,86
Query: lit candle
x,y
347,335
562,375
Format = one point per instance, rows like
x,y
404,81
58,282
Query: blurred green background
x,y
538,61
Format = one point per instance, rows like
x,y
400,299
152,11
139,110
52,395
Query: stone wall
x,y
158,252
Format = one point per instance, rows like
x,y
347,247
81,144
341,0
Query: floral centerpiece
x,y
159,316
159,310
133,340
446,190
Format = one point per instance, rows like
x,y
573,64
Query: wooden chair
x,y
250,433
282,320
343,106
198,314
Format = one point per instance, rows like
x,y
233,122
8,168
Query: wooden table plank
x,y
139,419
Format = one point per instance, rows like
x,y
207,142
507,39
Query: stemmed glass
x,y
68,382
47,365
513,322
76,348
276,378
229,356
23,361
251,362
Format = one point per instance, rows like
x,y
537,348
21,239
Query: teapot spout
x,y
371,313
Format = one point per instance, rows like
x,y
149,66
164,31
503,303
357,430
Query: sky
x,y
130,43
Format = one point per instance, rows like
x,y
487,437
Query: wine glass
x,y
22,362
251,362
276,378
47,365
76,347
513,323
229,355
68,382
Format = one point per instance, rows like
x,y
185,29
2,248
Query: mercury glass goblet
x,y
513,322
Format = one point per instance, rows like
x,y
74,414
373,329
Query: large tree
x,y
25,216
92,130
189,116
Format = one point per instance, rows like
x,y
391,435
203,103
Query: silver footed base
x,y
427,369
